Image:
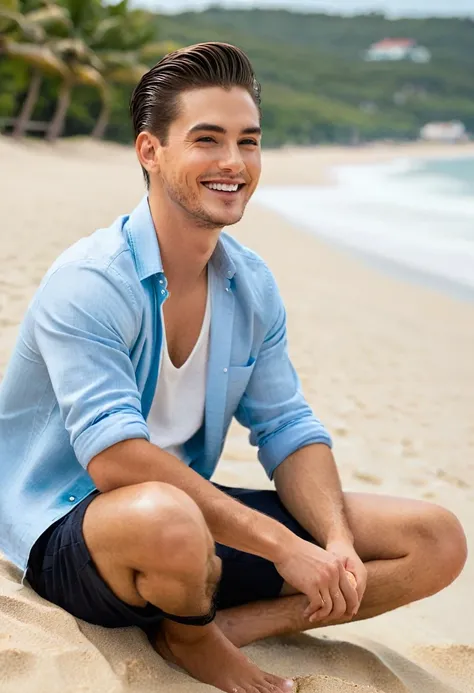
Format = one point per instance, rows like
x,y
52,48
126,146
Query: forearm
x,y
230,522
309,486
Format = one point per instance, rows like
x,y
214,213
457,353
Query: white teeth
x,y
222,186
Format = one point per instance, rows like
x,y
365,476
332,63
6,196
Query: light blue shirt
x,y
83,373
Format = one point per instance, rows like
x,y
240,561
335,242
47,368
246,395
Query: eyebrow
x,y
210,127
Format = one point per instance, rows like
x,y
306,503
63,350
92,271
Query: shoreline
x,y
337,172
298,159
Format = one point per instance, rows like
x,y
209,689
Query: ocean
x,y
412,218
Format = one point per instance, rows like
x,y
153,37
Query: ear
x,y
147,147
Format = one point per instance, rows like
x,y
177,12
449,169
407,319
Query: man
x,y
141,344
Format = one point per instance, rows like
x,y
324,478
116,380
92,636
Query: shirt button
x,y
161,281
72,498
163,292
225,370
227,289
229,275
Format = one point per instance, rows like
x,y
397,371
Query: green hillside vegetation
x,y
316,85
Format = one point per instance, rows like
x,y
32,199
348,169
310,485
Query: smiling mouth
x,y
227,188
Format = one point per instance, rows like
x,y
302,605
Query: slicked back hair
x,y
155,100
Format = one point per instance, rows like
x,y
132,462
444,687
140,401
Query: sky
x,y
393,8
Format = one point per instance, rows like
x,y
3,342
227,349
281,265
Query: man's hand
x,y
321,576
351,562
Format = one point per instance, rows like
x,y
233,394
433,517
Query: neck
x,y
185,247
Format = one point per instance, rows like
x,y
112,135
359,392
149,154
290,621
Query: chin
x,y
226,219
218,215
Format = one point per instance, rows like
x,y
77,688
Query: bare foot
x,y
206,654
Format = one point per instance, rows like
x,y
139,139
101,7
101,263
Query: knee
x,y
439,540
165,521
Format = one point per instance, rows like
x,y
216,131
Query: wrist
x,y
340,537
279,544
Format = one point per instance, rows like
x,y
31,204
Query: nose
x,y
231,160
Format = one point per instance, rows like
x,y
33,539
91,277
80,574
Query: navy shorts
x,y
61,570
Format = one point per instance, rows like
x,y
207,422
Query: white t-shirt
x,y
177,410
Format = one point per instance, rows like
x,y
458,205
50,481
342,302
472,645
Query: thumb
x,y
352,568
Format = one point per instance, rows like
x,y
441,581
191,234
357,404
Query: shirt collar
x,y
143,241
146,250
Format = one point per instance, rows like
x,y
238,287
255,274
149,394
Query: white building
x,y
398,49
453,131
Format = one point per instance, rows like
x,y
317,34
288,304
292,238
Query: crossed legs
x,y
412,550
150,543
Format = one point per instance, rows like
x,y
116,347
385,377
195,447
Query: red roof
x,y
394,43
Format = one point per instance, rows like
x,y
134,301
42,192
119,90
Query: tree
x,y
124,41
25,37
127,68
108,45
81,42
83,67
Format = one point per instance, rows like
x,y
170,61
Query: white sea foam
x,y
415,219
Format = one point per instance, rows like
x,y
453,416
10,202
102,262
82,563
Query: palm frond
x,y
15,22
10,5
51,17
85,74
106,31
112,59
155,51
84,13
38,56
119,8
127,75
141,28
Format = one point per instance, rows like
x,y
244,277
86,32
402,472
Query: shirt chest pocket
x,y
238,379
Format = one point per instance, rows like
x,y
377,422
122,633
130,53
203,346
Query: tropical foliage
x,y
76,43
73,64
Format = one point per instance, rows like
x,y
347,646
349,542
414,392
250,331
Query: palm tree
x,y
25,37
60,53
82,42
125,68
96,31
84,67
121,69
124,40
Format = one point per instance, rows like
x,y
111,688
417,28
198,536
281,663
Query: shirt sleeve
x,y
273,406
85,321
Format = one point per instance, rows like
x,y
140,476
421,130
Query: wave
x,y
400,213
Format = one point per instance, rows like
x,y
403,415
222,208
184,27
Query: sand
x,y
388,366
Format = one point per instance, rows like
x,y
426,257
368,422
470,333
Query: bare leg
x,y
421,550
150,544
250,622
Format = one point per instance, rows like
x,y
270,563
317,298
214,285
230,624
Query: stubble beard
x,y
193,208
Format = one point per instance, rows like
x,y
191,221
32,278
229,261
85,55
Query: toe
x,y
279,685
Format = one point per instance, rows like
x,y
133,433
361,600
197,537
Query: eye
x,y
251,142
206,139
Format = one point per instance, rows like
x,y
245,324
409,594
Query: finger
x,y
361,587
349,593
360,577
339,606
326,608
314,606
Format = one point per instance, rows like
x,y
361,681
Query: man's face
x,y
214,142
